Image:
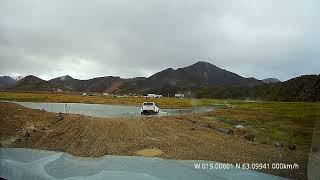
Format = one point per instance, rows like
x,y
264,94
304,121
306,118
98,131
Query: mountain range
x,y
201,79
187,78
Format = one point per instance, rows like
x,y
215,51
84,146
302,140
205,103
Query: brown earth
x,y
176,137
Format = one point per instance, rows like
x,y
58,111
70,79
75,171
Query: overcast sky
x,y
127,38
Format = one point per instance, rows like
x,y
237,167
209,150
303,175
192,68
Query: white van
x,y
149,108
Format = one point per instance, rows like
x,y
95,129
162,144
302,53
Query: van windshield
x,y
148,104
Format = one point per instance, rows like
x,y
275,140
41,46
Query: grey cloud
x,y
137,38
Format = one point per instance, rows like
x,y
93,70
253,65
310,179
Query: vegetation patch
x,y
275,121
149,152
164,102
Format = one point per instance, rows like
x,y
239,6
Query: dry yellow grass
x,y
164,102
149,152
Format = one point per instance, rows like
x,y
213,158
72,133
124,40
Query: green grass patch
x,y
277,121
227,120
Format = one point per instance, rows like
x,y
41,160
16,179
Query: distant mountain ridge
x,y
99,84
188,78
7,81
67,83
201,79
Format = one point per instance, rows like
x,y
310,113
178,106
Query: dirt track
x,y
175,136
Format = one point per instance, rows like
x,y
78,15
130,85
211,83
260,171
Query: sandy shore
x,y
171,137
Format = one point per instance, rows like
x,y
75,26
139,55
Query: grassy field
x,y
77,98
273,121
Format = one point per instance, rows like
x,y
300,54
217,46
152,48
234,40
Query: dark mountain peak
x,y
67,77
201,66
32,82
202,63
31,78
168,70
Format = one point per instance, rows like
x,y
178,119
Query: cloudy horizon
x,y
87,39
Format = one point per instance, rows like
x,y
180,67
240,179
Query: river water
x,y
104,110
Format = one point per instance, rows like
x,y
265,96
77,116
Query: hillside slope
x,y
31,83
303,88
99,84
